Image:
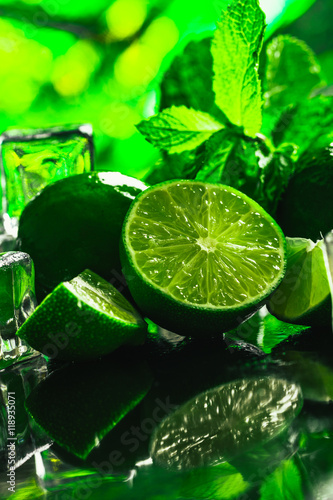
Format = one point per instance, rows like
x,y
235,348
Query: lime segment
x,y
202,246
82,319
98,294
303,297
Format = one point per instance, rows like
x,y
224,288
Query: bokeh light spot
x,y
25,66
72,71
162,34
137,65
125,17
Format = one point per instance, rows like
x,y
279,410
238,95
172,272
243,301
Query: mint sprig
x,y
215,133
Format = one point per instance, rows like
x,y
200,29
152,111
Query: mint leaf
x,y
310,124
285,482
236,47
273,332
292,72
179,129
265,331
230,159
176,166
276,172
189,79
217,151
222,482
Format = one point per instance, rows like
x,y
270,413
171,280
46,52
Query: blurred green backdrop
x,y
100,61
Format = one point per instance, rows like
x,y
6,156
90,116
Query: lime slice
x,y
303,297
81,319
75,224
200,258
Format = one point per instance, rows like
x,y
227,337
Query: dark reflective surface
x,y
177,419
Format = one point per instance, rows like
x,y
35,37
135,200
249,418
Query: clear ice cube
x,y
31,159
22,437
17,291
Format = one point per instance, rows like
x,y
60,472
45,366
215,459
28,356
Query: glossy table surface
x,y
139,389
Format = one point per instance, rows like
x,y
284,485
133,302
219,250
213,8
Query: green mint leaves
x,y
292,72
223,121
284,482
234,59
179,129
236,48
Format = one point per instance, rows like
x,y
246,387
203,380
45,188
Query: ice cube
x,y
20,437
31,159
17,291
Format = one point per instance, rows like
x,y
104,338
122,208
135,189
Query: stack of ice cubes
x,y
29,161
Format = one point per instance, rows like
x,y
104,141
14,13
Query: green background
x,y
77,61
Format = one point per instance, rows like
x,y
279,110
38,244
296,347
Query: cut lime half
x,y
200,258
303,296
83,318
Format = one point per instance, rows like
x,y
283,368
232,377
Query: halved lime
x,y
200,258
303,296
83,318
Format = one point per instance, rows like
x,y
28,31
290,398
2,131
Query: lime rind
x,y
215,229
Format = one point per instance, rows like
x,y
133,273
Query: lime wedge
x,y
200,258
303,296
81,319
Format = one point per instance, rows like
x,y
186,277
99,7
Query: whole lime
x,y
75,224
306,208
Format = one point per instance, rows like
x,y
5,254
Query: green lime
x,y
306,207
200,258
81,319
75,224
303,297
